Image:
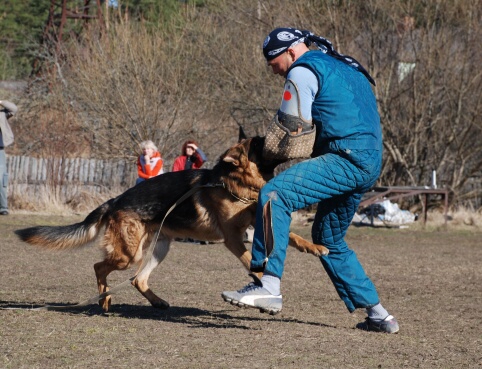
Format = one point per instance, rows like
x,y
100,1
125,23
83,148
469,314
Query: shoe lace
x,y
249,287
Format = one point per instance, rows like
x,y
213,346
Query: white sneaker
x,y
254,295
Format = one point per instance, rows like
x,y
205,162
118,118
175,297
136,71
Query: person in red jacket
x,y
192,157
149,164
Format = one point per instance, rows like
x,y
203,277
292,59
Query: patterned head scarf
x,y
281,39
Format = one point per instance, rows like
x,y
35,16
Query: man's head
x,y
282,47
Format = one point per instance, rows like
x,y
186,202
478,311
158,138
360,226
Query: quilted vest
x,y
345,108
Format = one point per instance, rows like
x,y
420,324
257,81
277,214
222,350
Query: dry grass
x,y
460,219
51,200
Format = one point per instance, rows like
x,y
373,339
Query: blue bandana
x,y
281,39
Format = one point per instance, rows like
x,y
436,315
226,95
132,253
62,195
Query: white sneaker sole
x,y
250,304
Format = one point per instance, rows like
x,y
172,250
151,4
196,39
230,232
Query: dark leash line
x,y
145,260
244,200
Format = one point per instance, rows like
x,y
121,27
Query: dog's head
x,y
249,152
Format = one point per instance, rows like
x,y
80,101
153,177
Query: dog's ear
x,y
242,134
237,156
231,159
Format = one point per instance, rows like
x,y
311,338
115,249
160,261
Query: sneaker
x,y
4,212
388,325
254,295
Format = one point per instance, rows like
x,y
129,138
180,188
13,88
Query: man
x,y
7,110
333,91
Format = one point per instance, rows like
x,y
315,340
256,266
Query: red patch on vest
x,y
287,95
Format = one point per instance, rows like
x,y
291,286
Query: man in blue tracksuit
x,y
332,91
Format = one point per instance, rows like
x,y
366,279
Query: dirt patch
x,y
429,280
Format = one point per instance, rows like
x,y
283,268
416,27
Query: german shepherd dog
x,y
222,207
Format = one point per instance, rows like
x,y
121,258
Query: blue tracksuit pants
x,y
336,181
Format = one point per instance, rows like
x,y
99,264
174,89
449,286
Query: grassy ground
x,y
429,279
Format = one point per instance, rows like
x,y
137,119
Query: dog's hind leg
x,y
140,282
123,240
102,270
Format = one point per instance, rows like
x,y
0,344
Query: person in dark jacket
x,y
192,157
332,91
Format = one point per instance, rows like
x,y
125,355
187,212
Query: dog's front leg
x,y
305,246
233,240
140,282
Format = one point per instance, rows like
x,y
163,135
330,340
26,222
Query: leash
x,y
145,260
244,200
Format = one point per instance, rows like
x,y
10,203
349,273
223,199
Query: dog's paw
x,y
160,304
318,250
322,250
105,304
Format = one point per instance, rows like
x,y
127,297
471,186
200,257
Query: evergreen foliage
x,y
22,24
21,27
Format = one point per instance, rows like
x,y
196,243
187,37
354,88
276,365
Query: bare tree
x,y
200,77
132,85
429,92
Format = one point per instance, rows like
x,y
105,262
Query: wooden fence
x,y
112,173
31,177
35,180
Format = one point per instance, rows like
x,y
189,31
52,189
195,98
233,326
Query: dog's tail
x,y
69,236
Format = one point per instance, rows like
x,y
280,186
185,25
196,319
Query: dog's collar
x,y
244,200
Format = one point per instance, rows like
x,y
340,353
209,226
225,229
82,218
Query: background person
x,y
7,110
334,92
149,163
192,157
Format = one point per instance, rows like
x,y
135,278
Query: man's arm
x,y
10,107
199,157
299,93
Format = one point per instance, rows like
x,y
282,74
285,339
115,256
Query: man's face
x,y
281,64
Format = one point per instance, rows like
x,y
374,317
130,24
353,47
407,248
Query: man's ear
x,y
291,52
242,134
